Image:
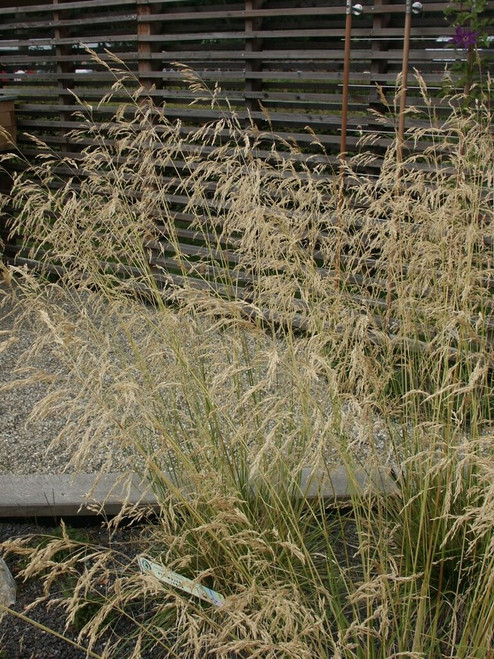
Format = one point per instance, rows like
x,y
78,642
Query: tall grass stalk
x,y
223,393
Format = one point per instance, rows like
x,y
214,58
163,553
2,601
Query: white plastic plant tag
x,y
179,581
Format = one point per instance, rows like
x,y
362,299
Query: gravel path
x,y
26,446
29,447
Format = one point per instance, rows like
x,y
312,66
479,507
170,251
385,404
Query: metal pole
x,y
346,82
404,80
410,8
414,8
344,121
357,10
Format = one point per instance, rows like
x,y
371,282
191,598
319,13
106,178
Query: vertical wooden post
x,y
144,64
8,123
252,44
63,67
378,65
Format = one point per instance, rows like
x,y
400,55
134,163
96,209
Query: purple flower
x,y
464,37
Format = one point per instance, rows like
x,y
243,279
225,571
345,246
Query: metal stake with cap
x,y
410,8
355,10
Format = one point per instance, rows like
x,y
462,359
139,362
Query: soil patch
x,y
22,640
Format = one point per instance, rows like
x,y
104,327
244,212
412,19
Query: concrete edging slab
x,y
50,495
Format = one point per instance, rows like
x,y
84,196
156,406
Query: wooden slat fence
x,y
282,56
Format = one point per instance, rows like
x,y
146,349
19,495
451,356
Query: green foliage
x,y
470,19
471,14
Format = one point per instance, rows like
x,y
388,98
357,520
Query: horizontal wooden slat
x,y
87,5
59,41
302,77
319,12
284,55
293,54
63,23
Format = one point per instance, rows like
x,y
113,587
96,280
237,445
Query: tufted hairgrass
x,y
363,338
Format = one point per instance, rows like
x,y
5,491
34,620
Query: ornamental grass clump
x,y
352,332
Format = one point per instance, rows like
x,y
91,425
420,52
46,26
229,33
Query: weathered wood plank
x,y
69,22
87,5
282,12
60,41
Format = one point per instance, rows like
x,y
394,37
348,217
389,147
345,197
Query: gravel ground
x,y
26,446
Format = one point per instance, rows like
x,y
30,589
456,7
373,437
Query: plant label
x,y
179,581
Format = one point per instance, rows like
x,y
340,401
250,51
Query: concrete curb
x,y
53,495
